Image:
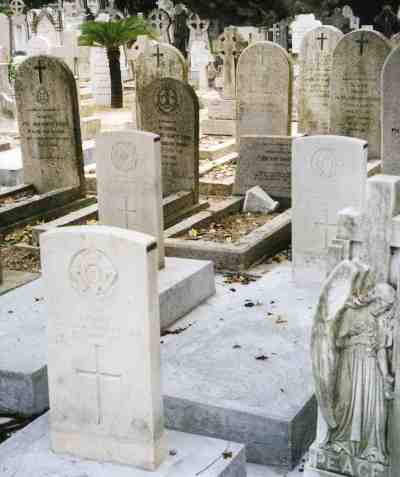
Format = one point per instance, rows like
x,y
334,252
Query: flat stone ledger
x,y
355,97
104,406
329,463
48,118
391,114
128,171
316,57
329,173
170,108
158,60
265,161
264,90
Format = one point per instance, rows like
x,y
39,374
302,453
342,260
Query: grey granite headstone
x,y
355,97
265,161
48,118
315,75
170,108
391,114
264,87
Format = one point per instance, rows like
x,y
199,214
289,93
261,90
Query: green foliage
x,y
114,34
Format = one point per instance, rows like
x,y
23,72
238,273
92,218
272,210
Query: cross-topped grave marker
x,y
230,45
104,345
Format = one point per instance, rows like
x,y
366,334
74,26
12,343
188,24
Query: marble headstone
x,y
328,174
355,97
128,171
391,114
264,87
5,32
104,345
315,76
170,108
265,161
38,45
49,124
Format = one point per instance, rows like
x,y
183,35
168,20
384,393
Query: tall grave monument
x,y
316,55
104,351
264,90
355,90
48,118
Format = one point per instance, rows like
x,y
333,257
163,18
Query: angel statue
x,y
352,343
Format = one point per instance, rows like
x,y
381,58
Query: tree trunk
x,y
113,55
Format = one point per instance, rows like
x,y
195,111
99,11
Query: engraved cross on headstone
x,y
130,215
99,375
326,227
39,69
322,38
362,42
159,55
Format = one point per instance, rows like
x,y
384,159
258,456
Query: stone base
x,y
214,384
28,454
222,109
183,285
13,279
218,127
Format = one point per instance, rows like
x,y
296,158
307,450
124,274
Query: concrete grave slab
x,y
13,279
28,453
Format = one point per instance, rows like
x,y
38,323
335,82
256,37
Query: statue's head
x,y
385,294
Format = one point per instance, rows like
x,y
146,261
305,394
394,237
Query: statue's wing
x,y
336,291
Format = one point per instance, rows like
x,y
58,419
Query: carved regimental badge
x,y
325,163
124,156
167,100
92,273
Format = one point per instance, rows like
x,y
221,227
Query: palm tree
x,y
112,35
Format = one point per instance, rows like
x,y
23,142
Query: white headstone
x,y
199,57
129,183
302,25
104,345
46,29
38,45
5,32
329,173
264,85
355,93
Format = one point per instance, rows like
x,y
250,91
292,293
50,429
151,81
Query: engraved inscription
x,y
92,273
42,96
124,156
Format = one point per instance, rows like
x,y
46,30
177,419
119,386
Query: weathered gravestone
x,y
302,25
161,22
264,90
315,76
354,349
158,60
339,21
128,171
230,44
391,114
355,92
328,174
38,45
265,161
5,36
46,28
48,118
103,345
170,108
